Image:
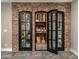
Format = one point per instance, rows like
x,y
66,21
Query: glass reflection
x,y
59,43
54,17
27,26
54,33
27,18
22,26
59,17
53,45
23,17
49,16
59,26
54,25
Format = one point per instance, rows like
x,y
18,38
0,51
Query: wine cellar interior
x,y
49,30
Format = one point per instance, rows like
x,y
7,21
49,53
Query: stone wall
x,y
17,7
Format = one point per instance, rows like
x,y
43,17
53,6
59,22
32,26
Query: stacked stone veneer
x,y
17,7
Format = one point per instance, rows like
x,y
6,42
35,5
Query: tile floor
x,y
38,55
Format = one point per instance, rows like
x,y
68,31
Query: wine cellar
x,y
39,29
49,30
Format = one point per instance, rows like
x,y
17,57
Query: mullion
x,y
25,27
28,33
53,40
51,33
52,30
23,31
59,30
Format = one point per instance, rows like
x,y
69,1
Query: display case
x,y
60,31
25,30
55,30
52,31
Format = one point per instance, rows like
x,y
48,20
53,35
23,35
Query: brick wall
x,y
17,7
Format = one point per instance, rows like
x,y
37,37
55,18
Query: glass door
x,y
60,26
52,31
25,31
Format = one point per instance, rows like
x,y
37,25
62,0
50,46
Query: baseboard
x,y
73,51
6,49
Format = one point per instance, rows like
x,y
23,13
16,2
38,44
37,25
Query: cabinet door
x,y
60,30
25,31
52,31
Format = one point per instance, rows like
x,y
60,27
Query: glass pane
x,y
49,28
59,36
27,17
23,43
28,32
59,17
23,34
49,24
59,43
23,17
59,26
53,45
22,26
27,40
23,39
60,32
54,33
27,36
49,16
54,25
54,16
49,43
49,34
27,26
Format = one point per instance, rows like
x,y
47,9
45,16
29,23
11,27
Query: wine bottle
x,y
43,17
38,40
43,40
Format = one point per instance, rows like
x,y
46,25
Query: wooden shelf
x,y
40,21
41,26
41,32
